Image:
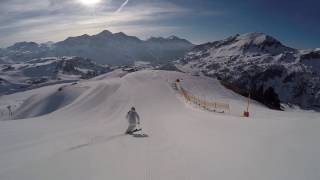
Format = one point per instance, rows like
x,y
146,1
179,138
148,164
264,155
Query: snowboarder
x,y
133,119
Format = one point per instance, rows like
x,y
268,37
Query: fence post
x,y
246,113
10,112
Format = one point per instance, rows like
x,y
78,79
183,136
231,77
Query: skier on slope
x,y
133,119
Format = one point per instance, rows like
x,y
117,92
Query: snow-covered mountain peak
x,y
252,43
263,41
256,38
77,38
123,36
155,39
120,34
254,62
24,46
170,39
85,36
173,37
249,44
105,33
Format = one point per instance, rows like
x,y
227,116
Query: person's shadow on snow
x,y
95,141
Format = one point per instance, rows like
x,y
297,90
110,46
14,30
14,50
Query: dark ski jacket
x,y
133,117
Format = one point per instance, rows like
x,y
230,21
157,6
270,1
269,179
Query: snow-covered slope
x,y
105,47
260,64
83,138
45,71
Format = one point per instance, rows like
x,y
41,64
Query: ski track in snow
x,y
84,139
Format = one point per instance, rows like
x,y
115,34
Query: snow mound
x,y
45,103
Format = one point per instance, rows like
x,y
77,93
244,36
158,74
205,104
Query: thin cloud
x,y
122,6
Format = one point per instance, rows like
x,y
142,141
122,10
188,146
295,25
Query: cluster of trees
x,y
266,96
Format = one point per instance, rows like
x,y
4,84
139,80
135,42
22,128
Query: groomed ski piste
x,y
76,131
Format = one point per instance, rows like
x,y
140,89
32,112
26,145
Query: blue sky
x,y
294,22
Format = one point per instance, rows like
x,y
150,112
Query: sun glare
x,y
89,2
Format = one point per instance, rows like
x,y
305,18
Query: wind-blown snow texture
x,y
104,48
83,138
46,71
256,62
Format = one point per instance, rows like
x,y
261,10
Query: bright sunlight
x,y
89,2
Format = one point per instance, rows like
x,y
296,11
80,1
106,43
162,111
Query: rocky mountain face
x,y
46,71
104,48
259,64
169,49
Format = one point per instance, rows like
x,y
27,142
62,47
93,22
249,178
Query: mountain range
x,y
254,64
105,48
260,65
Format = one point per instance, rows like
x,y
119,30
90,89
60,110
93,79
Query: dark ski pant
x,y
131,128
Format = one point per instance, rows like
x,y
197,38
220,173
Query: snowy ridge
x,y
259,63
83,139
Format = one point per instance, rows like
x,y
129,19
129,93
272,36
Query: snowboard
x,y
132,132
140,135
136,130
135,133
